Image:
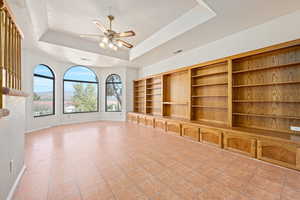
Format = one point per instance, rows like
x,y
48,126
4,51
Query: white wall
x,y
282,29
12,129
32,59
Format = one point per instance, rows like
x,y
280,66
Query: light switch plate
x,y
295,128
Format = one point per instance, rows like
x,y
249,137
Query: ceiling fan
x,y
110,38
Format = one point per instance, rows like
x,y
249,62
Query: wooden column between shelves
x,y
189,112
298,158
162,95
229,101
145,97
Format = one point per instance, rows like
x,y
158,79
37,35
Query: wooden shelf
x,y
211,74
154,88
267,84
208,96
150,84
209,84
139,96
268,116
138,86
174,103
265,68
153,94
209,107
264,101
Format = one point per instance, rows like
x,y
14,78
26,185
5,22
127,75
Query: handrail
x,y
13,92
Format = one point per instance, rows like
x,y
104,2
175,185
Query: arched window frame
x,y
80,81
53,82
108,83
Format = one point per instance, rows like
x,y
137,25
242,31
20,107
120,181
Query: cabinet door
x,y
191,132
150,121
160,124
211,136
174,127
240,143
280,153
142,120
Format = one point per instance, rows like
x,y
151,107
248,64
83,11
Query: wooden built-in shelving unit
x,y
246,103
266,90
259,89
209,93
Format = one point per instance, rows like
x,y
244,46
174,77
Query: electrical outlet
x,y
295,128
11,167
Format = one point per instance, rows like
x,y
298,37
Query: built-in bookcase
x,y
266,90
256,90
140,96
176,94
154,95
210,93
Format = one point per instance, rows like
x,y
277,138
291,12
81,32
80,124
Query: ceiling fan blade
x,y
125,44
126,34
100,26
90,36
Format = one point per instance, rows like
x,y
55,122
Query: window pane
x,y
79,73
80,97
43,70
113,97
42,96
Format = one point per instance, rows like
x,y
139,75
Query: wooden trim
x,y
298,159
4,113
229,93
13,92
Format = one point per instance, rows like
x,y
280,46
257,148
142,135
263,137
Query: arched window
x,y
80,90
113,93
43,91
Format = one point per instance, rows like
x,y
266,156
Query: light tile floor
x,y
124,161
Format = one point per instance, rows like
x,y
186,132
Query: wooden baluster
x,y
2,28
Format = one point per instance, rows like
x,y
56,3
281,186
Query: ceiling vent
x,y
178,51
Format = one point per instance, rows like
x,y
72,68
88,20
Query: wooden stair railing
x,y
10,55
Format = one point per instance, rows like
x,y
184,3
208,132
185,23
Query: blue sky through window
x,y
43,70
80,73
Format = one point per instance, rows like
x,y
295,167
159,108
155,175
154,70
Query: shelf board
x,y
158,83
267,116
153,101
153,94
139,96
154,88
265,68
208,96
210,74
174,103
209,84
209,107
264,101
267,84
138,86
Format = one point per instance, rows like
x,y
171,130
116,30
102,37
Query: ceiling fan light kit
x,y
111,38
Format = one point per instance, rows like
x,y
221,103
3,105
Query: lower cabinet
x,y
160,124
211,136
174,127
191,132
134,118
142,120
240,143
149,121
280,153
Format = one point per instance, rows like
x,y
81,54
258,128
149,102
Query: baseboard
x,y
16,183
